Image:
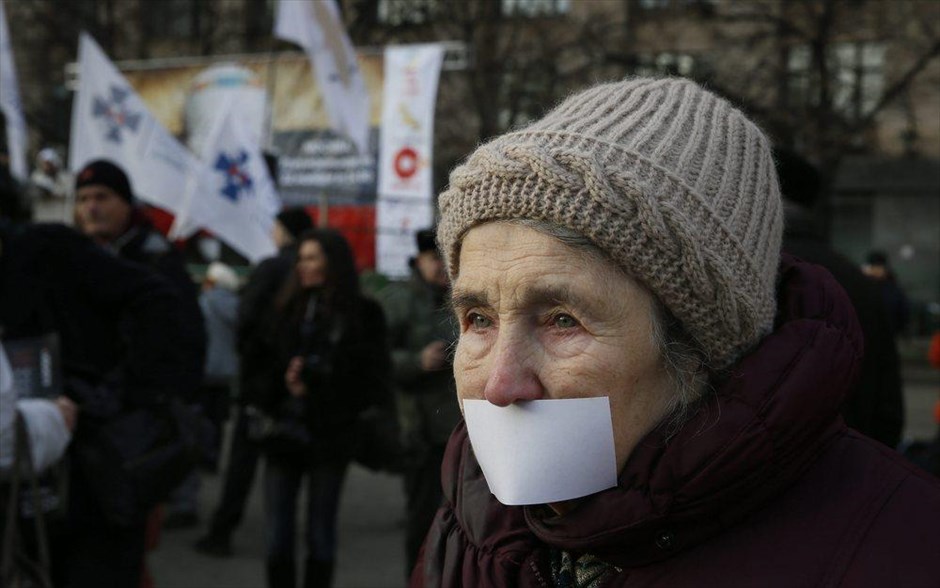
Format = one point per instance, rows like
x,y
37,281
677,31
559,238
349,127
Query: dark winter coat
x,y
764,486
427,401
255,312
143,244
116,320
894,299
875,404
349,375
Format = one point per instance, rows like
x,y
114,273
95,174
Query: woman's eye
x,y
564,321
478,321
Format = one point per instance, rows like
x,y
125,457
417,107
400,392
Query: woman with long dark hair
x,y
332,364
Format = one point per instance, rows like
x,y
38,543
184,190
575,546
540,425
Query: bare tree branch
x,y
901,85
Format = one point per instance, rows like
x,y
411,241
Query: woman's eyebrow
x,y
464,299
563,294
552,295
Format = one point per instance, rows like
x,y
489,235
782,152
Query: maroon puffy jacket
x,y
765,486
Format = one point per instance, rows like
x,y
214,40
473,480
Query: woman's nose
x,y
512,374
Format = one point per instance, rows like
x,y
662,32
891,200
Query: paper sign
x,y
406,157
543,451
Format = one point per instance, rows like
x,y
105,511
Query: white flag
x,y
110,121
235,195
315,25
10,104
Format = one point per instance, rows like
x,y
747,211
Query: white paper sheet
x,y
543,451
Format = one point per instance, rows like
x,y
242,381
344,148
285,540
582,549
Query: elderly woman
x,y
626,248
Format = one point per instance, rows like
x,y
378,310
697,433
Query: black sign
x,y
37,366
317,164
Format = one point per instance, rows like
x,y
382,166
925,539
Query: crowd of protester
x,y
293,354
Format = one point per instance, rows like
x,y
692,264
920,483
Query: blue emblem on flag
x,y
236,178
115,113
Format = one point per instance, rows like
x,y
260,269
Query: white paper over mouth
x,y
543,451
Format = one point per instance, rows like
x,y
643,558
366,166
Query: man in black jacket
x,y
876,405
118,324
106,211
255,359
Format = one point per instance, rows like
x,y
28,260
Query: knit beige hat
x,y
674,183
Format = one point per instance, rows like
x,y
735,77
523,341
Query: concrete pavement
x,y
371,540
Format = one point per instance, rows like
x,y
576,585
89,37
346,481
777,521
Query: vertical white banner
x,y
397,221
406,153
10,104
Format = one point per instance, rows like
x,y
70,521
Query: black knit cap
x,y
426,240
295,220
103,172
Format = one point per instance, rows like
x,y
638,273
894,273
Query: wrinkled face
x,y
540,320
431,267
311,265
101,213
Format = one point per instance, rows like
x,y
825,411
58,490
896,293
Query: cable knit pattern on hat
x,y
674,183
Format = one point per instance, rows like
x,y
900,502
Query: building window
x,y
671,64
406,12
676,4
856,75
534,8
655,4
414,12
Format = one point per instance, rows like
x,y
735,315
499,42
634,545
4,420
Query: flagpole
x,y
68,215
272,89
179,221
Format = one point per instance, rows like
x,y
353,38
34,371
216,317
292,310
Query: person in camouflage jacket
x,y
422,331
